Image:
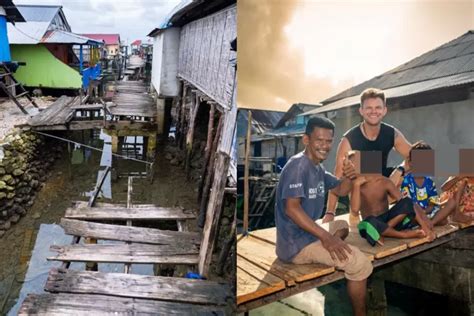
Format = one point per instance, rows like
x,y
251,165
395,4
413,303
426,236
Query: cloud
x,y
271,73
132,19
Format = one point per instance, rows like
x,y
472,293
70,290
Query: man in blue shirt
x,y
300,202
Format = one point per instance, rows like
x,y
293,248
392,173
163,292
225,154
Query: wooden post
x,y
190,135
216,198
246,173
182,116
129,222
207,182
92,266
207,150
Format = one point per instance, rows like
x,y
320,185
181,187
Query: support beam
x,y
190,135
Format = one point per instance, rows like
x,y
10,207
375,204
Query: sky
x,y
132,19
292,51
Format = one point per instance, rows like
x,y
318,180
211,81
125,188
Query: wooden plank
x,y
126,253
444,230
262,254
254,282
134,213
138,286
464,225
290,291
86,304
390,247
124,233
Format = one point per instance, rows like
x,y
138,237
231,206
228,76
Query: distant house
x,y
135,47
112,43
283,140
262,121
44,42
430,97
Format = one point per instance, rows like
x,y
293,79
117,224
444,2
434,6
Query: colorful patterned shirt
x,y
421,195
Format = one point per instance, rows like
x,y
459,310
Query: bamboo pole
x,y
246,173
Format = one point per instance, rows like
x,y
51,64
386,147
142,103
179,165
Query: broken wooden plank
x,y
132,234
138,286
126,253
254,282
86,304
134,213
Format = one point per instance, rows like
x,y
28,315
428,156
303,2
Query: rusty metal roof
x,y
448,65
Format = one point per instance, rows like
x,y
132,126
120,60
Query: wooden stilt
x,y
190,134
128,266
207,182
246,173
207,150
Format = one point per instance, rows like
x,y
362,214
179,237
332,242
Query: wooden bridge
x,y
73,292
263,279
131,107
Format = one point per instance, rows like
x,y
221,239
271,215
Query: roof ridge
x,y
393,70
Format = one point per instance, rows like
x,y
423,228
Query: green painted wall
x,y
43,69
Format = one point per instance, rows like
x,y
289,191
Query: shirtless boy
x,y
370,197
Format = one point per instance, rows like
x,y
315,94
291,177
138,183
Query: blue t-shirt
x,y
300,178
420,195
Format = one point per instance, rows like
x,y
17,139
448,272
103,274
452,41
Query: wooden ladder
x,y
6,73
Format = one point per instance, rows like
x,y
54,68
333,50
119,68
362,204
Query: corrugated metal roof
x,y
109,39
285,131
26,33
63,37
410,89
453,58
261,121
35,13
294,110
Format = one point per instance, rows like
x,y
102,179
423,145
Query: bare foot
x,y
342,233
461,218
417,233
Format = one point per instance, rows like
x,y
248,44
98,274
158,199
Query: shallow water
x,y
24,270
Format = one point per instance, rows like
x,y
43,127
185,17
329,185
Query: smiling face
x,y
373,111
318,144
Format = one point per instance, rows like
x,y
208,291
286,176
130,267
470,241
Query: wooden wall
x,y
204,54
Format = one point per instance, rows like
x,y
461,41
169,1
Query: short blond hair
x,y
372,93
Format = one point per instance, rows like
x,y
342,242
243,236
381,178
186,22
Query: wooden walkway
x,y
263,279
61,116
131,99
131,107
73,292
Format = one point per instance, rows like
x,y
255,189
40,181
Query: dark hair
x,y
419,145
320,122
371,93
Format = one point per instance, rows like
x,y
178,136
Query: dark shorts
x,y
372,227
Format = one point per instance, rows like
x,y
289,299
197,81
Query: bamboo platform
x,y
263,279
75,292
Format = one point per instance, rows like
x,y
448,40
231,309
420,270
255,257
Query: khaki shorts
x,y
356,268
